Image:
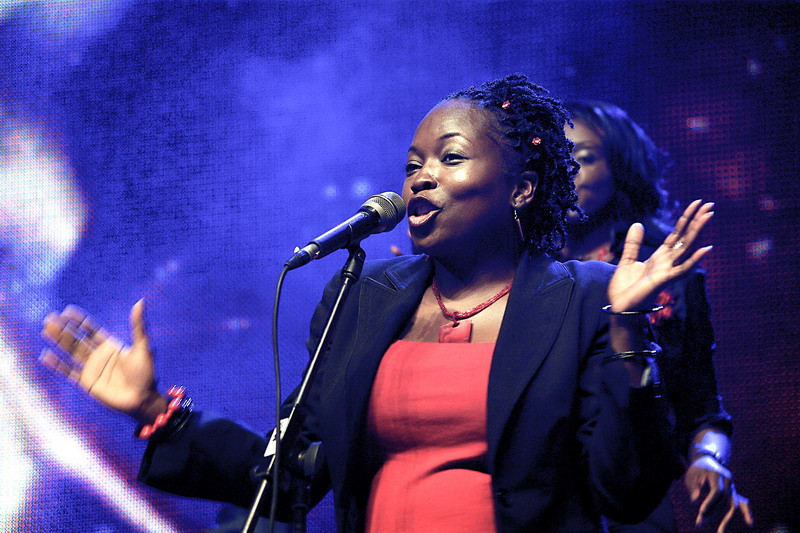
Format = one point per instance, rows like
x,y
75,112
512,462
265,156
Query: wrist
x,y
153,405
712,442
714,453
629,333
179,409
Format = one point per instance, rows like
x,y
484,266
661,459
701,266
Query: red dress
x,y
428,410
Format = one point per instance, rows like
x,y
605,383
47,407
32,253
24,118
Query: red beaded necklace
x,y
461,329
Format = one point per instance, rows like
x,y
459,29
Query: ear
x,y
524,189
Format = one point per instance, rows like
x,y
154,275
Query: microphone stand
x,y
303,462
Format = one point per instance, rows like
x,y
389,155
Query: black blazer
x,y
568,439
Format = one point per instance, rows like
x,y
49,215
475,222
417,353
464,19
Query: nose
x,y
423,180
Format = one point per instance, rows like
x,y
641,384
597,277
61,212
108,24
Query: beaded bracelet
x,y
621,356
179,403
655,309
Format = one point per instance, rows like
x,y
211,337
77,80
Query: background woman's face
x,y
593,183
456,187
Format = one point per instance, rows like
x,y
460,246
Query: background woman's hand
x,y
706,473
117,375
635,283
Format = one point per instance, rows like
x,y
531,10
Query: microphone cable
x,y
273,507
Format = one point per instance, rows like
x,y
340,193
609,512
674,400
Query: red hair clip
x,y
505,104
536,141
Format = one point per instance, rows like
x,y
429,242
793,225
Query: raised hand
x,y
117,375
635,283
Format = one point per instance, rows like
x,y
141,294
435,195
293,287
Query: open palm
x,y
117,375
635,283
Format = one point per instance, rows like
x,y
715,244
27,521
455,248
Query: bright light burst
x,y
43,215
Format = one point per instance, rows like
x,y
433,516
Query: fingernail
x,y
48,358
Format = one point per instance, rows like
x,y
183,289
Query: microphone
x,y
381,212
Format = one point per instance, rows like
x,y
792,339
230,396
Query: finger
x,y
695,493
728,516
75,339
633,241
85,341
86,323
55,324
682,269
52,361
698,220
683,221
69,338
744,507
697,223
83,348
693,484
51,326
711,499
138,327
76,343
688,240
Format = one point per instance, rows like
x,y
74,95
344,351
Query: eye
x,y
452,158
411,167
586,158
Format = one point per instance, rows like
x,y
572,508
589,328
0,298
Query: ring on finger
x,y
678,245
84,337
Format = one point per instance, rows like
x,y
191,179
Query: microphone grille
x,y
389,206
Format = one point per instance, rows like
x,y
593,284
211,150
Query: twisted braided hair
x,y
533,123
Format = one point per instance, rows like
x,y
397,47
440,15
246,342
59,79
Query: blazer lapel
x,y
536,308
385,303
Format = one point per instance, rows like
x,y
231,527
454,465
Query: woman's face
x,y
457,188
593,183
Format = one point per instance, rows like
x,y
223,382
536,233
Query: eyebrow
x,y
583,145
413,148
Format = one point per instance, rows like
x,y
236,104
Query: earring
x,y
518,223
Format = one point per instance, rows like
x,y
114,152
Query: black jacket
x,y
568,439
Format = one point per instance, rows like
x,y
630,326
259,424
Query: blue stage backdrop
x,y
179,150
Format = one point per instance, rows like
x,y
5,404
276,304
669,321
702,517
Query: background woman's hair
x,y
533,122
638,167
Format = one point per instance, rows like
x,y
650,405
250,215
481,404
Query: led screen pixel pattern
x,y
180,150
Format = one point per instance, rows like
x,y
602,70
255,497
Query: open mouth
x,y
420,211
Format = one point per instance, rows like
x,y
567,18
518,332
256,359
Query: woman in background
x,y
620,181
